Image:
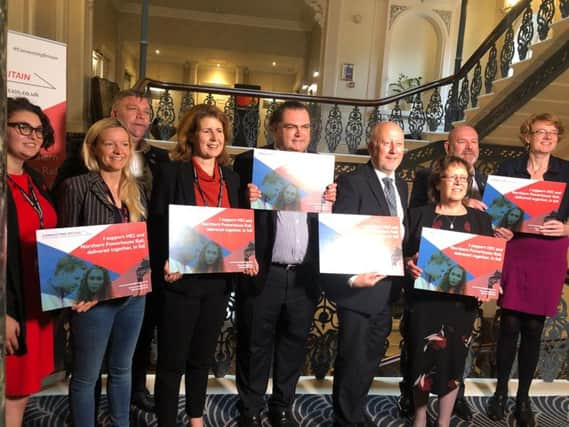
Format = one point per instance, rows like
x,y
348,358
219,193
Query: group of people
x,y
123,179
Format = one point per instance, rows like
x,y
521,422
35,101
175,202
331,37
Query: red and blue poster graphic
x,y
522,204
460,263
291,181
210,240
92,263
354,244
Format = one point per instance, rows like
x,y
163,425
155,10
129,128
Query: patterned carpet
x,y
310,410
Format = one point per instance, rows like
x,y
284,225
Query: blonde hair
x,y
129,190
525,128
188,132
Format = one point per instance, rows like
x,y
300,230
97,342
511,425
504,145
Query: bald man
x,y
362,301
462,142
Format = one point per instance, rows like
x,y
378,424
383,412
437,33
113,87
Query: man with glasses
x,y
462,142
363,300
275,309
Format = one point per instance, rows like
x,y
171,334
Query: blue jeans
x,y
114,326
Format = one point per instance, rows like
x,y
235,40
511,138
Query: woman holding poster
x,y
439,324
194,306
534,269
29,331
108,194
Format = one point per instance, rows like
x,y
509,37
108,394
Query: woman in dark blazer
x,y
108,194
29,331
194,306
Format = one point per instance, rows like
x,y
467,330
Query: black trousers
x,y
188,329
273,328
361,346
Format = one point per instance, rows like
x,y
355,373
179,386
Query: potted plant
x,y
403,84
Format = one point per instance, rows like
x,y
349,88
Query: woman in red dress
x,y
29,331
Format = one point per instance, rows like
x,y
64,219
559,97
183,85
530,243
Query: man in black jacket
x,y
363,300
275,309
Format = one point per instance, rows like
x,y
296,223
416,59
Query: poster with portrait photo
x,y
292,181
210,240
354,244
460,263
522,205
92,263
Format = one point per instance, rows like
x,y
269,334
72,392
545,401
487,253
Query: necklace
x,y
451,220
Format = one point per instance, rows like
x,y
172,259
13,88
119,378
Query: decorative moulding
x,y
395,11
319,7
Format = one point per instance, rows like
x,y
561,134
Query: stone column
x,y
3,25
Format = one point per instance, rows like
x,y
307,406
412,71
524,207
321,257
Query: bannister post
x,y
143,40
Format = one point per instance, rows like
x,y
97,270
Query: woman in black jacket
x,y
194,306
29,331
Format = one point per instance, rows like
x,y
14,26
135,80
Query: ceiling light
x,y
274,64
157,51
315,74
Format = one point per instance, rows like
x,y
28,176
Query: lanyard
x,y
219,195
31,198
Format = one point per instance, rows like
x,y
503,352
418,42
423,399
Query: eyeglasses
x,y
543,132
456,178
26,129
296,128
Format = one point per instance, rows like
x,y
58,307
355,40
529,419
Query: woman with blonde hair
x,y
534,269
107,194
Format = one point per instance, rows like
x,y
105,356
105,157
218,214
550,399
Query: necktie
x,y
390,196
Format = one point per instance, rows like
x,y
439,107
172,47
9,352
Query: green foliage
x,y
405,83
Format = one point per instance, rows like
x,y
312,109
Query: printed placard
x,y
354,244
522,204
292,181
92,263
460,263
210,240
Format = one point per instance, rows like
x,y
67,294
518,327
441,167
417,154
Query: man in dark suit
x,y
275,309
362,300
462,142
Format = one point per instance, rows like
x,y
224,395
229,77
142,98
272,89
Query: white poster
x,y
37,70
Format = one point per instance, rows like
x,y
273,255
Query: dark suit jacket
x,y
360,192
558,170
84,200
174,184
420,190
265,231
15,301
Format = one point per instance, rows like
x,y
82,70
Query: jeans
x,y
113,326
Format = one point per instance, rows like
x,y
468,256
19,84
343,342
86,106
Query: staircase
x,y
535,85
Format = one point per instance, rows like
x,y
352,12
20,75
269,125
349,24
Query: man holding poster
x,y
363,300
275,309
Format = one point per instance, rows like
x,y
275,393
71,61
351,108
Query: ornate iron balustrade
x,y
339,123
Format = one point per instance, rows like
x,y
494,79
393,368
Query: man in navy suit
x,y
362,300
275,309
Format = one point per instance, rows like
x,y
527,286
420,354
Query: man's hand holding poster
x,y
92,263
292,181
354,244
460,263
210,240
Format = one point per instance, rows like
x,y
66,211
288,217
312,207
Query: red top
x,y
24,373
209,187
